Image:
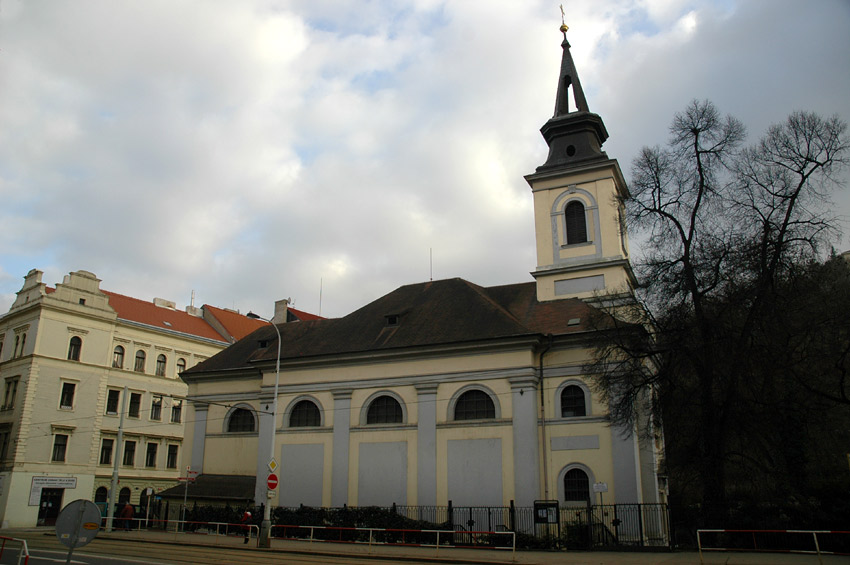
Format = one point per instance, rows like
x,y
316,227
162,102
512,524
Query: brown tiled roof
x,y
140,311
236,324
446,312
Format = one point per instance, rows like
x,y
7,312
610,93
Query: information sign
x,y
42,482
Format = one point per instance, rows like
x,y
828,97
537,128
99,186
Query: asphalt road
x,y
148,548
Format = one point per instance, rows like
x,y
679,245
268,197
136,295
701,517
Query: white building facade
x,y
71,359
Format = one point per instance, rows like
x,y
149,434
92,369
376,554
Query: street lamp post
x,y
266,526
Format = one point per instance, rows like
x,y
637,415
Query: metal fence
x,y
610,526
617,525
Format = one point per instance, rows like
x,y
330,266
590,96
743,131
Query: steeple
x,y
573,136
582,245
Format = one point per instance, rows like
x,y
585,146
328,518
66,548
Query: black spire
x,y
574,137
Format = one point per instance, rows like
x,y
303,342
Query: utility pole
x,y
116,453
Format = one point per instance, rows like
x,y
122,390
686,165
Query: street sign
x,y
600,487
78,523
272,465
272,482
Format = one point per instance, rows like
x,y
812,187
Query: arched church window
x,y
572,402
576,222
576,486
384,410
474,405
241,420
305,414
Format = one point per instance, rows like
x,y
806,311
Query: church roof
x,y
437,313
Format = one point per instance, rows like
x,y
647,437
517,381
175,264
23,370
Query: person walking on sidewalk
x,y
246,521
127,516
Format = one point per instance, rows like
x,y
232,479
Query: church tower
x,y
582,245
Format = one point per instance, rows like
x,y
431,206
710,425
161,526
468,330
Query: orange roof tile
x,y
304,316
236,324
135,310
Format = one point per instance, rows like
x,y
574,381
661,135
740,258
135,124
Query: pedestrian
x,y
246,528
127,515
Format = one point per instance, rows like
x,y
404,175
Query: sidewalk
x,y
394,553
446,555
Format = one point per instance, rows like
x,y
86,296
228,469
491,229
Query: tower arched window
x,y
573,402
576,486
474,405
305,414
576,222
241,420
181,365
384,410
74,348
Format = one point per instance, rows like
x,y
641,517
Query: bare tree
x,y
725,228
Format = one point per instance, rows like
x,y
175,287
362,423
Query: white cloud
x,y
249,150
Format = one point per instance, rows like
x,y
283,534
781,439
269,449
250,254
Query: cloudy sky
x,y
255,150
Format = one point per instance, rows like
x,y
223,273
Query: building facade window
x,y
474,405
60,446
20,343
139,366
161,361
135,405
241,420
101,496
305,414
171,459
150,455
113,397
66,397
124,496
576,223
573,402
10,392
75,346
384,410
106,451
181,365
5,440
156,407
1,346
176,411
118,357
129,453
576,486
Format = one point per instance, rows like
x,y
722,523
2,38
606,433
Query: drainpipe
x,y
543,417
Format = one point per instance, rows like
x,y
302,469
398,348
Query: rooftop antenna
x,y
192,301
320,295
431,262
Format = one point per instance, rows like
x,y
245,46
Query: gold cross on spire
x,y
564,26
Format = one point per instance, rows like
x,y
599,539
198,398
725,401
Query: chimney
x,y
280,311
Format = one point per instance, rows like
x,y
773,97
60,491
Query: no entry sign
x,y
272,481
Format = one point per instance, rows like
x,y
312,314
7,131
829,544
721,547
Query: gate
x,y
616,526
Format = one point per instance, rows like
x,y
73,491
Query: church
x,y
447,391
